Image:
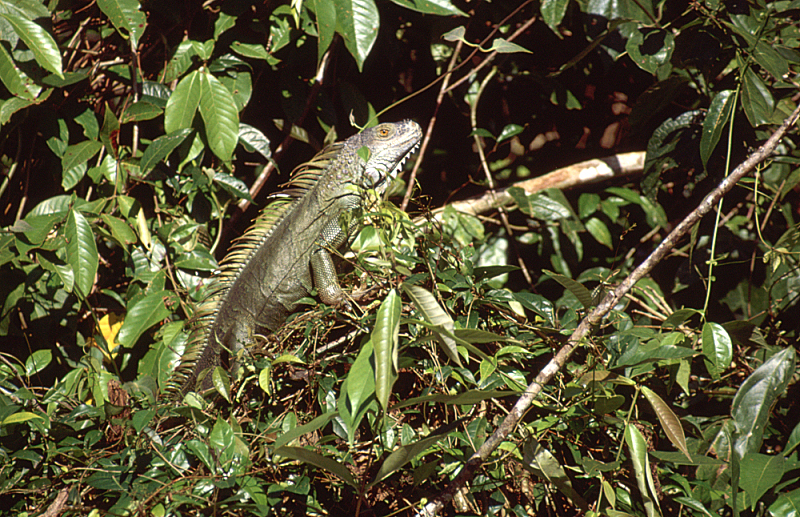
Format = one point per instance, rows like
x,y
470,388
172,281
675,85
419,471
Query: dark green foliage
x,y
136,134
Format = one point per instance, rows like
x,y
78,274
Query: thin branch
x,y
593,319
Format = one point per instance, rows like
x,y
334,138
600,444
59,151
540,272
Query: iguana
x,y
270,267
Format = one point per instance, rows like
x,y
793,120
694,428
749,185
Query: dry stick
x,y
593,318
589,171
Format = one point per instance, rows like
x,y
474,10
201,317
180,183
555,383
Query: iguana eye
x,y
384,131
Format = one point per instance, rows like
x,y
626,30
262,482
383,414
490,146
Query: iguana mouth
x,y
399,167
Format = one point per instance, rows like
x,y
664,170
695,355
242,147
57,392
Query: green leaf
x,y
139,111
600,232
641,468
717,347
318,460
161,147
384,340
325,22
79,154
669,421
251,50
293,434
434,314
502,46
770,60
757,100
754,398
125,15
358,390
456,34
218,109
577,289
38,40
759,473
81,252
650,48
553,12
17,81
539,205
717,118
183,103
254,141
19,417
358,23
509,131
435,7
142,314
38,361
406,453
787,505
542,463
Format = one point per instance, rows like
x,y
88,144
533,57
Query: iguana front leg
x,y
333,237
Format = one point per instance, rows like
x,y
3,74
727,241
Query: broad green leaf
x,y
539,205
406,453
325,12
384,341
221,382
318,460
435,7
183,103
38,40
543,464
503,46
218,109
787,505
233,185
125,15
553,12
81,252
640,11
71,177
19,417
108,133
754,398
358,23
181,61
757,100
434,314
161,147
669,421
251,50
139,111
38,361
717,118
143,314
17,81
293,434
759,473
358,390
456,34
641,469
254,141
509,131
600,232
79,154
770,60
650,48
577,289
717,347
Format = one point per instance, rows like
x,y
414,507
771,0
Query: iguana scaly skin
x,y
270,268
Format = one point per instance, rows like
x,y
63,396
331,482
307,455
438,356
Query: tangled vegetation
x,y
139,138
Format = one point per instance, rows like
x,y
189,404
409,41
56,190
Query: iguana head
x,y
387,146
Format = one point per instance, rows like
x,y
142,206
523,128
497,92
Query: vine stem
x,y
593,319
